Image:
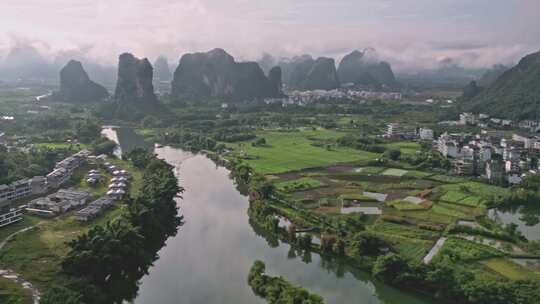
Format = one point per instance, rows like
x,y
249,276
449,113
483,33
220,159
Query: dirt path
x,y
15,277
433,252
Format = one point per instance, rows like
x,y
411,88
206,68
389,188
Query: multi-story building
x,y
15,190
397,130
57,177
59,202
495,171
9,215
464,167
468,119
448,145
38,185
425,134
527,140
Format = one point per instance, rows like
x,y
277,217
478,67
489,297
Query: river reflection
x,y
208,260
526,217
126,138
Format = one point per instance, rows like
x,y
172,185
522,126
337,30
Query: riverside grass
x,y
293,151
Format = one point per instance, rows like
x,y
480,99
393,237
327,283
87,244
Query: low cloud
x,y
408,34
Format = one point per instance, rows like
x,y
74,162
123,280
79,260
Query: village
x,y
503,152
44,196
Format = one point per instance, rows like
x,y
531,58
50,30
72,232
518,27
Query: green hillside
x,y
515,94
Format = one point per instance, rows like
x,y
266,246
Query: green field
x,y
407,231
406,147
36,254
292,151
300,184
460,250
394,172
13,293
509,269
402,205
453,196
480,190
418,174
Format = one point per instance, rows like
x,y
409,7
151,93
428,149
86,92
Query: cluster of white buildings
x,y
307,97
491,155
64,169
35,186
119,183
402,131
65,199
94,209
58,203
482,120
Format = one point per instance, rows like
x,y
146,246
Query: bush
x,y
393,154
278,290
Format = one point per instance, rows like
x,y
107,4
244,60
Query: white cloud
x,y
402,31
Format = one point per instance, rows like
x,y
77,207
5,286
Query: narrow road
x,y
15,277
434,250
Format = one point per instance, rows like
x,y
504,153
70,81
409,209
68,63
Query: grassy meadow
x,y
293,151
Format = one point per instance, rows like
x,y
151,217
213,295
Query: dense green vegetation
x,y
515,94
306,164
278,290
461,284
38,161
107,261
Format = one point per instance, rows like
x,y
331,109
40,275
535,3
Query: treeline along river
x,y
209,259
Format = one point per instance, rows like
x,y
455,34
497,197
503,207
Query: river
x,y
209,259
527,219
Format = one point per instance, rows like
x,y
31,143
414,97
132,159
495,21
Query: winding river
x,y
209,259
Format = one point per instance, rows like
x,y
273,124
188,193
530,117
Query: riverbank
x,y
36,247
311,199
218,244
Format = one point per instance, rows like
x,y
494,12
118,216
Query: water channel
x,y
209,259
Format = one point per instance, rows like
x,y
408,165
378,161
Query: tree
x,y
61,295
390,268
150,121
139,157
259,142
104,147
87,129
393,154
366,243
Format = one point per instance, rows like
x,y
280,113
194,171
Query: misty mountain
x,y
305,73
217,74
470,91
25,62
321,76
447,75
275,77
491,75
267,62
76,86
162,72
358,69
295,70
134,84
515,94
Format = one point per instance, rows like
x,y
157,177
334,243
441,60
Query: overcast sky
x,y
406,32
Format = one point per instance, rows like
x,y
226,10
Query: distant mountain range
x,y
355,69
76,86
24,62
216,74
515,94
